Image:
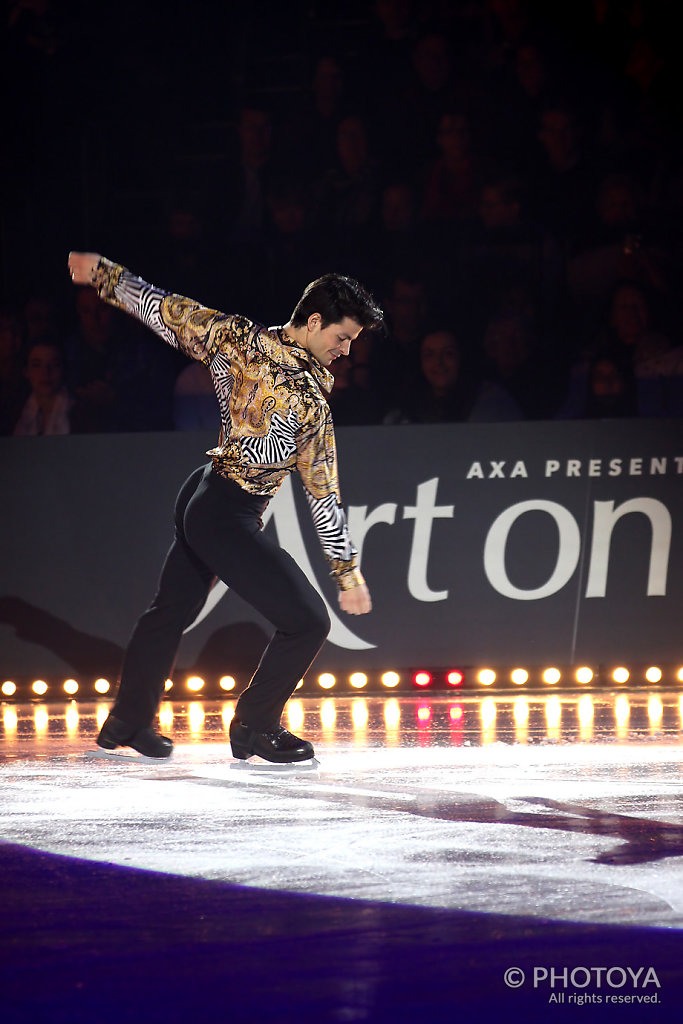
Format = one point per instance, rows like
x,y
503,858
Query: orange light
x,y
326,680
295,715
392,714
422,679
227,683
424,713
359,714
390,679
8,688
487,677
328,713
10,719
39,687
195,683
358,680
455,678
101,686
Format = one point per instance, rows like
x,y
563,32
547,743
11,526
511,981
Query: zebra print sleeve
x,y
330,523
317,466
182,323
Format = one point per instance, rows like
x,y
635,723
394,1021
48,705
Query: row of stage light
x,y
580,715
409,680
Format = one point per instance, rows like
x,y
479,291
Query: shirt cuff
x,y
346,574
105,278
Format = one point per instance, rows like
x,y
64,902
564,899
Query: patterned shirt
x,y
274,413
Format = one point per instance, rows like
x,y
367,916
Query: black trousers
x,y
218,534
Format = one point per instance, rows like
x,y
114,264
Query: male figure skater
x,y
271,386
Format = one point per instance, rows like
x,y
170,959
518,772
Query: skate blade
x,y
113,755
272,767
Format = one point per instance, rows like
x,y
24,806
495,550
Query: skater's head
x,y
336,297
331,313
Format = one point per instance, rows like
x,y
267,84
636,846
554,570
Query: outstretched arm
x,y
182,323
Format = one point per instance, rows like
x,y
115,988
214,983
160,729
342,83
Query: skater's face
x,y
330,342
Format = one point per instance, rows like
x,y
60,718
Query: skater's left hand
x,y
356,601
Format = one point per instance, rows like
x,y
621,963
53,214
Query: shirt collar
x,y
322,375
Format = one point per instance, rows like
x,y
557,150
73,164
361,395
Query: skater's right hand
x,y
82,266
356,601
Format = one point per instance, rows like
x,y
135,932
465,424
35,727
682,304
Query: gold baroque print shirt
x,y
274,414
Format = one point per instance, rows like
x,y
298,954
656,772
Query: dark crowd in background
x,y
506,176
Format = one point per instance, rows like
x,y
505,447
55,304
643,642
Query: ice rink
x,y
498,833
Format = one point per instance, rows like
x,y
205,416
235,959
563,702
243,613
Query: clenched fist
x,y
355,601
82,266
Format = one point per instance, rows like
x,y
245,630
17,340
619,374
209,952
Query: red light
x,y
455,678
422,679
455,713
424,713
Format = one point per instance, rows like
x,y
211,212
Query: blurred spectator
x,y
313,122
508,24
181,257
657,364
385,58
516,363
95,364
631,325
659,107
48,406
40,318
503,250
398,239
195,405
349,190
514,98
407,308
611,387
452,183
353,399
242,190
293,252
395,19
607,390
613,235
112,371
445,391
429,93
631,337
565,176
13,384
617,245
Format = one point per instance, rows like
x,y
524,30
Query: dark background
x,y
128,129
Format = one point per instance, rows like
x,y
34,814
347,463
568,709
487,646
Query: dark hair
x,y
335,297
44,341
